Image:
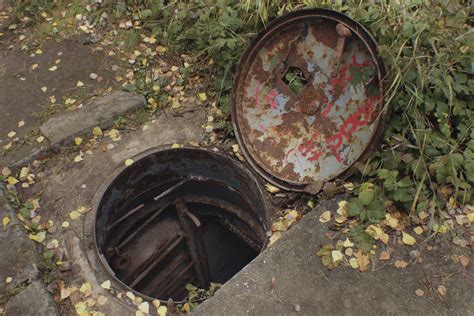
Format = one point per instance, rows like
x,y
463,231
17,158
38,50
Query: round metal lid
x,y
308,98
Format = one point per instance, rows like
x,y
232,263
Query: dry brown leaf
x,y
442,290
362,260
419,292
400,264
464,261
384,255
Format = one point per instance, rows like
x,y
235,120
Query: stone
x,y
100,112
18,259
34,300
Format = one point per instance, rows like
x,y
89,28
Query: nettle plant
x,y
368,205
426,161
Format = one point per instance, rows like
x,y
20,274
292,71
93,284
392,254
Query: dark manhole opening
x,y
179,216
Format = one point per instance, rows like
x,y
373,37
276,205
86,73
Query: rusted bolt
x,y
343,32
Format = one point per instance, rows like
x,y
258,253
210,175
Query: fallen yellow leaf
x,y
8,280
40,139
340,219
391,221
202,96
97,131
21,123
325,217
336,255
65,224
156,303
423,215
162,310
349,186
353,263
106,285
81,308
128,162
418,230
11,134
66,292
6,220
12,181
38,237
53,244
408,239
78,158
271,188
175,145
384,238
144,307
74,215
53,68
86,289
347,243
342,208
78,141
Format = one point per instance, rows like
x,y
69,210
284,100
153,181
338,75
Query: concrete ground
x,y
289,279
21,94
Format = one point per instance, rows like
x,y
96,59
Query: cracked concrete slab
x,y
33,300
99,112
18,256
289,279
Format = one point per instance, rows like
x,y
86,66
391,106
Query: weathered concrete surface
x,y
34,300
21,97
18,256
22,155
302,283
99,112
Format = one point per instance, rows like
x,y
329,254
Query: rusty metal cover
x,y
308,99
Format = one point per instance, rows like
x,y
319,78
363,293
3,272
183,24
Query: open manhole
x,y
179,216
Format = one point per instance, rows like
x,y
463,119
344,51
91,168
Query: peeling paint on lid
x,y
308,98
